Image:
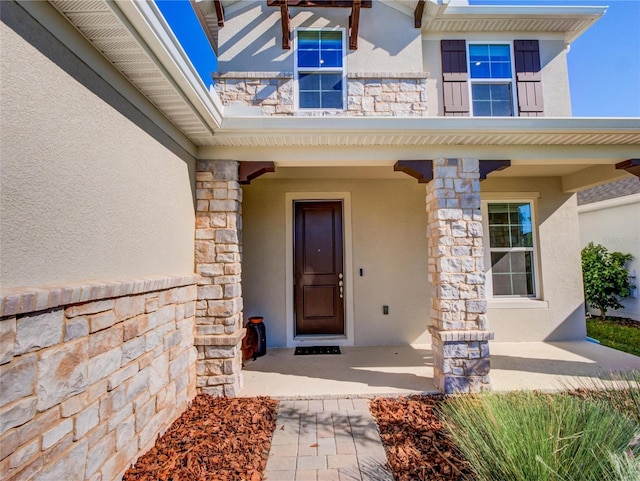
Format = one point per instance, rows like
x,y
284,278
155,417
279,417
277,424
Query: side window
x,y
320,69
491,78
510,252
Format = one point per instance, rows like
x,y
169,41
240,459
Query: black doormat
x,y
303,351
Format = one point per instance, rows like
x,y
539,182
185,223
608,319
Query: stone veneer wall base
x,y
369,94
91,374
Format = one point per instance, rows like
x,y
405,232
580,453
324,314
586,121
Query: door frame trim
x,y
342,340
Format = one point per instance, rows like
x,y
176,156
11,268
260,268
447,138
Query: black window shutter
x,y
454,77
528,78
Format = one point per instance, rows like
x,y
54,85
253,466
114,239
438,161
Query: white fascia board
x,y
150,25
460,125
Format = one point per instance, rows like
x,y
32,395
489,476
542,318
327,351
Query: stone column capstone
x,y
218,249
459,330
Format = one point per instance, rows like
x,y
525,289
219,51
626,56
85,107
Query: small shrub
x,y
537,437
606,279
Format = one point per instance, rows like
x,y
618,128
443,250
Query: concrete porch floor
x,y
404,370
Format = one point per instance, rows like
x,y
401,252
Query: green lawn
x,y
615,335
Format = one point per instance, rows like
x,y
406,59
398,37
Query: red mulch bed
x,y
417,447
217,439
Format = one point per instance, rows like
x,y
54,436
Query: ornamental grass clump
x,y
621,390
528,436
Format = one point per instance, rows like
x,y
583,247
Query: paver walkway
x,y
326,440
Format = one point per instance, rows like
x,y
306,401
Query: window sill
x,y
517,304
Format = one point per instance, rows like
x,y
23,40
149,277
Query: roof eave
x,y
583,17
153,29
443,131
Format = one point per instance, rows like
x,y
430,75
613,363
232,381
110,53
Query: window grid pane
x,y
490,61
492,100
319,49
320,90
511,249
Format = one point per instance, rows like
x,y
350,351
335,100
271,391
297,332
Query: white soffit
x,y
571,21
166,82
437,131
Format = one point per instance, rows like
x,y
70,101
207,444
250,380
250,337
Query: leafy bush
x,y
539,437
605,277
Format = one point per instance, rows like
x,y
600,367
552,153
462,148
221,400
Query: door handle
x,y
341,284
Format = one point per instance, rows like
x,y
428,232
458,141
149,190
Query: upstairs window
x,y
511,251
320,69
491,80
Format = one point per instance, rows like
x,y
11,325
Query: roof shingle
x,y
612,190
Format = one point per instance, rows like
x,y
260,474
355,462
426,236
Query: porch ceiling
x,y
574,177
387,172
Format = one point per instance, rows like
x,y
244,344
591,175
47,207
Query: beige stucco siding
x,y
555,78
560,314
615,224
258,48
85,194
389,243
553,61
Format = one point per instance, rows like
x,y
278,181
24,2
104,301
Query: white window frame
x,y
511,82
297,71
531,199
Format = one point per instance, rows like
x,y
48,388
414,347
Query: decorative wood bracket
x,y
418,169
488,166
247,171
319,3
417,14
632,166
219,12
354,18
285,21
354,24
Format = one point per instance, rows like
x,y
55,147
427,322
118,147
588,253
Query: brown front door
x,y
318,269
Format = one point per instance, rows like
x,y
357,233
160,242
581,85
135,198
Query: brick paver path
x,y
326,440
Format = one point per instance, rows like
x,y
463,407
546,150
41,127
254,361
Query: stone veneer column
x,y
456,273
218,330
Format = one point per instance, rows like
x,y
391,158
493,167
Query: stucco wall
x,y
615,224
389,244
251,38
553,60
85,192
555,78
560,315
